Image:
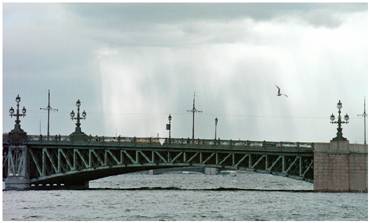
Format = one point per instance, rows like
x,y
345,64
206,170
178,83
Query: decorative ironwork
x,y
17,135
64,163
78,134
339,121
51,163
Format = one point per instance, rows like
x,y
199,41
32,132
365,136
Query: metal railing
x,y
59,139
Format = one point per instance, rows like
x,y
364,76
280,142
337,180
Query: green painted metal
x,y
63,161
78,158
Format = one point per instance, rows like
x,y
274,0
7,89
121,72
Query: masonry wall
x,y
340,166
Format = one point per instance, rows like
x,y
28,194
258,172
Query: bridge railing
x,y
59,139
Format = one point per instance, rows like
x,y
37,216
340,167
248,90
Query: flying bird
x,y
279,92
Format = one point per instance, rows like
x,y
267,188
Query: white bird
x,y
279,92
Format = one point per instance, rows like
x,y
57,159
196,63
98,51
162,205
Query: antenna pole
x,y
194,110
48,114
364,115
49,108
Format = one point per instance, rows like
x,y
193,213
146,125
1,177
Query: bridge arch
x,y
74,164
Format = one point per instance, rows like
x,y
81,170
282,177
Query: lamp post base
x,y
339,138
78,137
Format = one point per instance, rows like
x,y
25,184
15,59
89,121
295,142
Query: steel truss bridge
x,y
60,162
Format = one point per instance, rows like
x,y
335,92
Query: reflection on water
x,y
118,204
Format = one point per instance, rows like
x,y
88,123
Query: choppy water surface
x,y
189,202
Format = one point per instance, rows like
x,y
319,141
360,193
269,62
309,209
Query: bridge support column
x,y
18,168
340,166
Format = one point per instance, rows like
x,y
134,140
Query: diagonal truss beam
x,y
291,165
274,163
224,159
307,169
77,152
92,152
192,157
133,161
36,162
69,163
176,157
241,160
161,157
113,157
45,151
259,160
208,158
145,157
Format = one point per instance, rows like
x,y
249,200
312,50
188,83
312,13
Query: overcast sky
x,y
131,65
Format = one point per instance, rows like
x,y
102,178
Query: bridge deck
x,y
62,161
174,143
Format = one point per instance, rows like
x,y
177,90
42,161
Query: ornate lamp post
x,y
17,135
168,127
78,131
17,125
216,121
339,136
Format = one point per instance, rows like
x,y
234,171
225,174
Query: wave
x,y
200,189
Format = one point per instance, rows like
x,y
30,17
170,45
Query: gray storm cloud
x,y
133,64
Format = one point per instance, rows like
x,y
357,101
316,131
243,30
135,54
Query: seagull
x,y
279,93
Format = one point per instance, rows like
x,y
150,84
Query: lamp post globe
x,y
72,114
346,117
18,99
339,105
332,117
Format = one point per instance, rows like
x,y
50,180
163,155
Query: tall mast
x,y
364,115
194,110
49,108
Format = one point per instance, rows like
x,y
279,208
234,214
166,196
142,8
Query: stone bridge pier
x,y
340,167
17,168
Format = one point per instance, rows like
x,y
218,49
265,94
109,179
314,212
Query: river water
x,y
186,195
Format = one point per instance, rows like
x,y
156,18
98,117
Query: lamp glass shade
x,y
339,105
332,117
72,114
78,103
169,117
11,110
18,99
24,110
84,114
346,117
